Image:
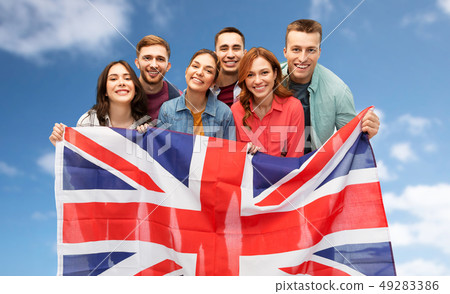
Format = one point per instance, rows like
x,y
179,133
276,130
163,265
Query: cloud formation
x,y
384,173
320,9
415,125
444,5
43,216
8,170
161,13
47,162
32,29
427,17
421,267
427,209
403,152
423,18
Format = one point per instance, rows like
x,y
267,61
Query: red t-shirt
x,y
156,100
226,94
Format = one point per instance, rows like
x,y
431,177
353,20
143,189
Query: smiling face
x,y
201,73
260,79
119,86
153,63
229,50
302,53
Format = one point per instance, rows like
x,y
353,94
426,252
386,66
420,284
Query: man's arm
x,y
345,107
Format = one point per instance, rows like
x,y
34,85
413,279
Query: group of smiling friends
x,y
287,109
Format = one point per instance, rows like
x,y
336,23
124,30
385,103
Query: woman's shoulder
x,y
171,104
237,106
292,100
88,119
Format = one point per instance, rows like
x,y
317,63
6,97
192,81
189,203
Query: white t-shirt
x,y
89,119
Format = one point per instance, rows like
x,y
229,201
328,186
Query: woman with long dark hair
x,y
267,116
121,101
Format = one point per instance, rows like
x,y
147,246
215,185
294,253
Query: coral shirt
x,y
279,132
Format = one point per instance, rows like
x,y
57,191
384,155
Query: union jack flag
x,y
164,203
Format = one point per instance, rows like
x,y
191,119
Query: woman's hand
x,y
252,148
57,134
143,128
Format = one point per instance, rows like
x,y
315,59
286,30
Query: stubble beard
x,y
151,82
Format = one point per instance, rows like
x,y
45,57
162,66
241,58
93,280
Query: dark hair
x,y
213,55
151,40
304,25
244,68
138,104
229,30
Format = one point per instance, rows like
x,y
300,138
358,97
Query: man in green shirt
x,y
326,99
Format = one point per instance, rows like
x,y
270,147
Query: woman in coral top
x,y
267,116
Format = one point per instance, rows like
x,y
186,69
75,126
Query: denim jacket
x,y
217,118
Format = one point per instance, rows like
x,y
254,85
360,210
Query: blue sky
x,y
392,54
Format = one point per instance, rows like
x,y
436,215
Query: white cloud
x,y
161,12
403,152
320,9
423,18
42,216
444,5
416,125
47,162
33,29
430,147
348,33
384,173
428,207
8,170
425,201
401,234
421,267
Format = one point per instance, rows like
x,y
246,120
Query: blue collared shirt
x,y
217,118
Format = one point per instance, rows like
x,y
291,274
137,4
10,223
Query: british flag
x,y
164,203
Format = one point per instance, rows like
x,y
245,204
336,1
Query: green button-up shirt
x,y
331,104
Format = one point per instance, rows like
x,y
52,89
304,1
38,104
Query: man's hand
x,y
370,123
